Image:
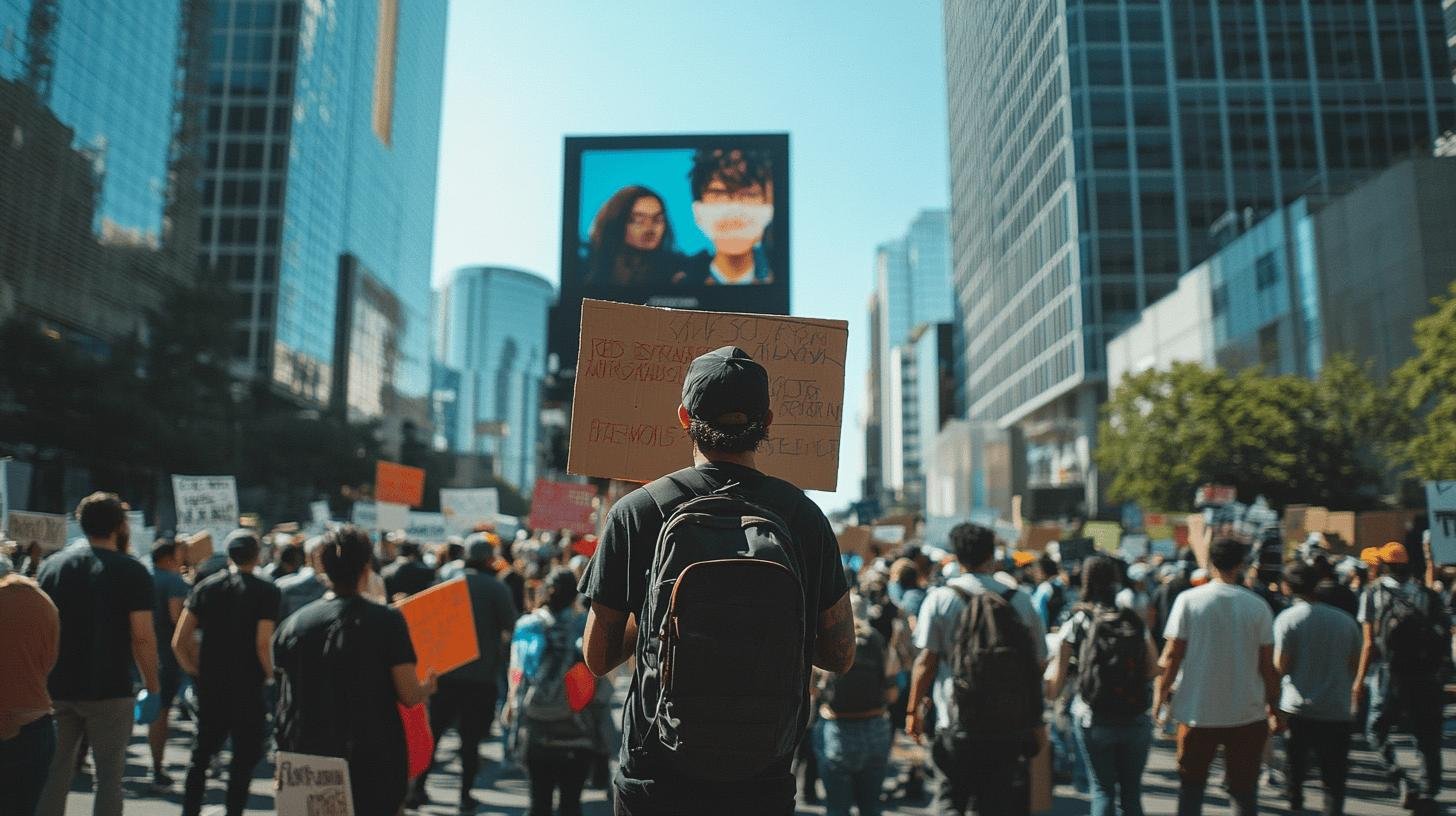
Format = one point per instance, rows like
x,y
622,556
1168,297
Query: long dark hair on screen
x,y
608,236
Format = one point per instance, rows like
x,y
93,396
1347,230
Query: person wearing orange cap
x,y
1407,631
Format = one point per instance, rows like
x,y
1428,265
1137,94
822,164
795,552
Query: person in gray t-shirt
x,y
1316,650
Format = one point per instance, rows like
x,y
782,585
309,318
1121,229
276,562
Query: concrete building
x,y
1324,276
1098,151
322,128
97,170
491,333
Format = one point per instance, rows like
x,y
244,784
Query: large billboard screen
x,y
689,222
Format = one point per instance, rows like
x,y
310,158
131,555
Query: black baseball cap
x,y
726,387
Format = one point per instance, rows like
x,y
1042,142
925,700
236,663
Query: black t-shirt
x,y
228,607
407,577
96,591
1337,595
495,614
617,578
337,695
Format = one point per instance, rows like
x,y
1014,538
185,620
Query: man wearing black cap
x,y
725,410
235,611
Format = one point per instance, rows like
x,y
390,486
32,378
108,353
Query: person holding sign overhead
x,y
345,665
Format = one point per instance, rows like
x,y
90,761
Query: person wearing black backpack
x,y
982,653
1115,664
1407,634
726,585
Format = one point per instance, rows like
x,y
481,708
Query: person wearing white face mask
x,y
733,206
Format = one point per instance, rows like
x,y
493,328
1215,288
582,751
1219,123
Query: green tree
x,y
1287,438
1425,385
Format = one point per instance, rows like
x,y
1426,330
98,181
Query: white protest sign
x,y
365,515
391,516
313,786
1134,545
1441,504
142,536
464,508
206,503
426,528
319,512
45,529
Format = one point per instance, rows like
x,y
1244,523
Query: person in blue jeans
x,y
853,736
1109,711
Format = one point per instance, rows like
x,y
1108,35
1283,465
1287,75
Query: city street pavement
x,y
503,793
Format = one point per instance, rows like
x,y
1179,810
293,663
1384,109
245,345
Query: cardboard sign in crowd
x,y
629,376
441,628
562,506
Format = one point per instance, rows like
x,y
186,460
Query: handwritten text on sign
x,y
441,627
206,503
1441,501
629,383
44,529
311,785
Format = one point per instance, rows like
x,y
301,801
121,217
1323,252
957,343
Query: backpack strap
x,y
669,492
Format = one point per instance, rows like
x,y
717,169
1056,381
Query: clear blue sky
x,y
858,85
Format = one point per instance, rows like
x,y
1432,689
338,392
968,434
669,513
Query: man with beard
x,y
105,601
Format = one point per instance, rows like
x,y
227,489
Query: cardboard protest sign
x,y
206,503
45,529
1316,519
1200,537
562,506
1036,537
1441,504
464,508
629,379
1292,527
426,528
855,541
391,516
1340,531
398,483
311,785
441,627
1375,527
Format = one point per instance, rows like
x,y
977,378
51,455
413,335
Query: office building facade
x,y
96,174
1345,275
492,332
322,132
1098,150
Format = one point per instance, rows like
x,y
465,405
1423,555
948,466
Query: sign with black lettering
x,y
629,377
1441,503
311,785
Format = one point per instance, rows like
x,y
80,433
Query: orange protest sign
x,y
400,484
562,506
441,627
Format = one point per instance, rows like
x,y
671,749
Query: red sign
x,y
399,484
562,506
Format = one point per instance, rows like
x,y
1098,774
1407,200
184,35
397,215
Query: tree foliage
x,y
1426,387
1287,438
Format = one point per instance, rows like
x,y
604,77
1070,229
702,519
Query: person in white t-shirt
x,y
1218,671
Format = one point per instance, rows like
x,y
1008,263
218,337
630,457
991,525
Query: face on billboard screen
x,y
691,222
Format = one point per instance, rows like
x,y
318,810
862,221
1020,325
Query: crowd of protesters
x,y
766,665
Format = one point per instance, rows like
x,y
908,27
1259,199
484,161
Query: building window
x,y
1219,300
1266,271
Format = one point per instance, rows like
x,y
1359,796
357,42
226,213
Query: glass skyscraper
x,y
322,129
491,336
1098,150
94,169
